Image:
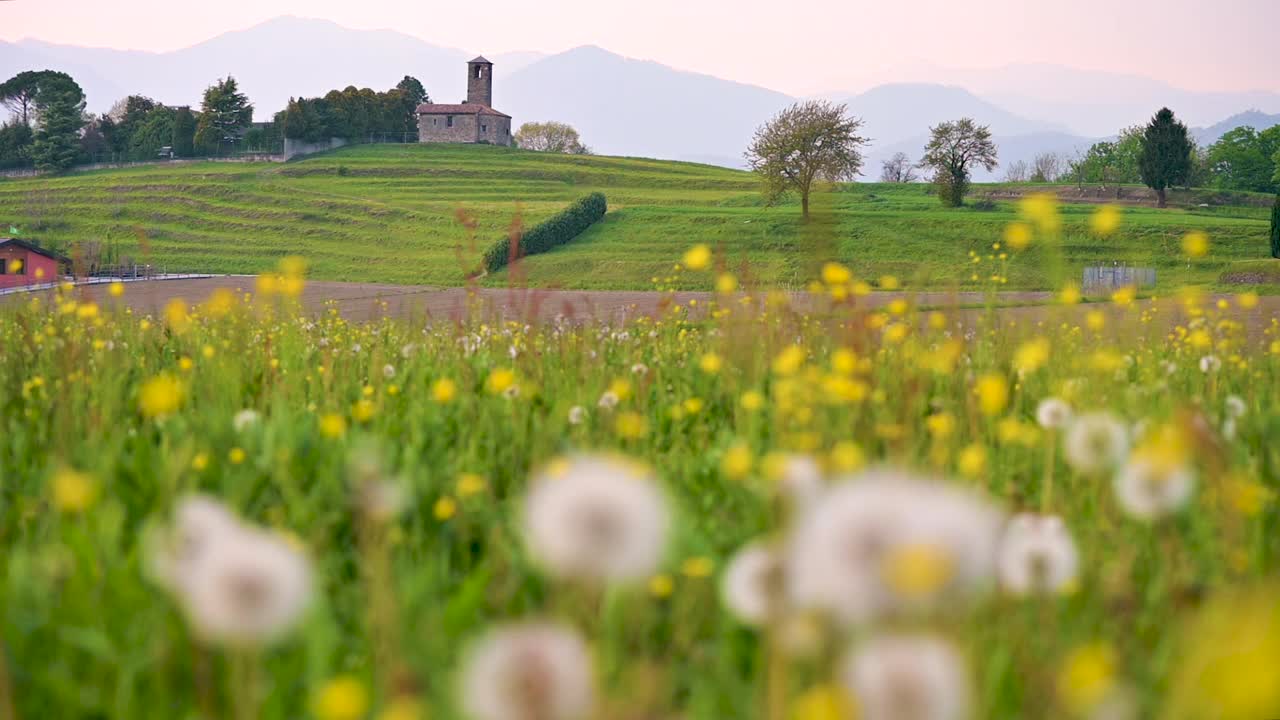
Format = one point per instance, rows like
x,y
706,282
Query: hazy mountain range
x,y
624,106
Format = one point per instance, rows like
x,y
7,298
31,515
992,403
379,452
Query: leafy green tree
x,y
60,106
412,94
954,149
224,115
184,132
1166,154
553,137
154,133
15,144
809,142
1244,159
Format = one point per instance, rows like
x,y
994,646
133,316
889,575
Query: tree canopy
x,y
954,149
1166,154
811,141
352,113
224,115
552,136
59,102
1245,159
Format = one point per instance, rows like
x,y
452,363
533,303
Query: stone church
x,y
474,121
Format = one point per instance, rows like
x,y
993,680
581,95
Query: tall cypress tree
x,y
1275,228
1166,154
60,105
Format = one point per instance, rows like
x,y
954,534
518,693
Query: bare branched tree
x,y
898,169
954,149
812,141
1047,167
1017,172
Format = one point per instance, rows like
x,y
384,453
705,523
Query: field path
x,y
371,301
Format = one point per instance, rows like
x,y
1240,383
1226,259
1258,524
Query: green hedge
x,y
1275,228
556,231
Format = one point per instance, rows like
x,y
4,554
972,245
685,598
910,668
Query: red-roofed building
x,y
474,121
22,263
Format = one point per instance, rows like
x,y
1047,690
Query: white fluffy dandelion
x,y
528,670
752,587
886,541
1210,364
640,369
1037,554
919,677
577,415
1053,413
596,518
608,400
1096,442
1149,487
1234,406
245,419
237,585
388,371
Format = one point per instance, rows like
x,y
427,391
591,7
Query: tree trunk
x,y
804,204
1161,200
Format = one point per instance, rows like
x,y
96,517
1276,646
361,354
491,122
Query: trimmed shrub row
x,y
554,232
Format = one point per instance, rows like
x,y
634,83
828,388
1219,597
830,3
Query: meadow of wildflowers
x,y
234,509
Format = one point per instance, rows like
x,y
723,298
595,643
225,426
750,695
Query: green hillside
x,y
391,213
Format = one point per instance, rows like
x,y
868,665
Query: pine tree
x,y
60,106
1166,154
224,115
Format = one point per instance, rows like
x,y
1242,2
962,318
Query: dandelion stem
x,y
1046,497
777,679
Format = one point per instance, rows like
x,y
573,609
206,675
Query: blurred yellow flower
x,y
236,456
661,586
1017,235
789,361
631,425
342,698
332,425
972,462
73,491
1105,220
1070,294
889,282
444,390
1124,296
1095,320
177,317
752,400
1031,355
363,410
199,461
1195,244
993,393
847,457
1247,300
404,707
1041,209
469,484
499,380
711,363
726,283
915,571
736,462
824,702
444,508
834,273
698,257
698,567
940,425
160,396
1086,677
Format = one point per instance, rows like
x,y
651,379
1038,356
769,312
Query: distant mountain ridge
x,y
621,106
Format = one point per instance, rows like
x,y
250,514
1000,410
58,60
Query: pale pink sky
x,y
788,45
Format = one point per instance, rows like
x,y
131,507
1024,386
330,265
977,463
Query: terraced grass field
x,y
422,214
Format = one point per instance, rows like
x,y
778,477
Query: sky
x,y
795,47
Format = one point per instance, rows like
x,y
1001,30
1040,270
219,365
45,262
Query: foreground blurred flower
x,y
342,698
160,396
824,702
752,588
73,491
1231,652
238,585
698,257
1152,484
1037,554
528,670
887,540
596,518
1087,677
1096,442
1053,413
245,419
577,414
907,676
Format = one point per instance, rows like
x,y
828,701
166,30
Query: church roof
x,y
480,59
462,109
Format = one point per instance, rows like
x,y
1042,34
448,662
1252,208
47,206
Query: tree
x,y
1017,172
18,93
60,106
898,169
224,115
1275,228
1166,154
1046,167
551,136
412,94
954,149
15,144
812,141
1244,159
184,132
